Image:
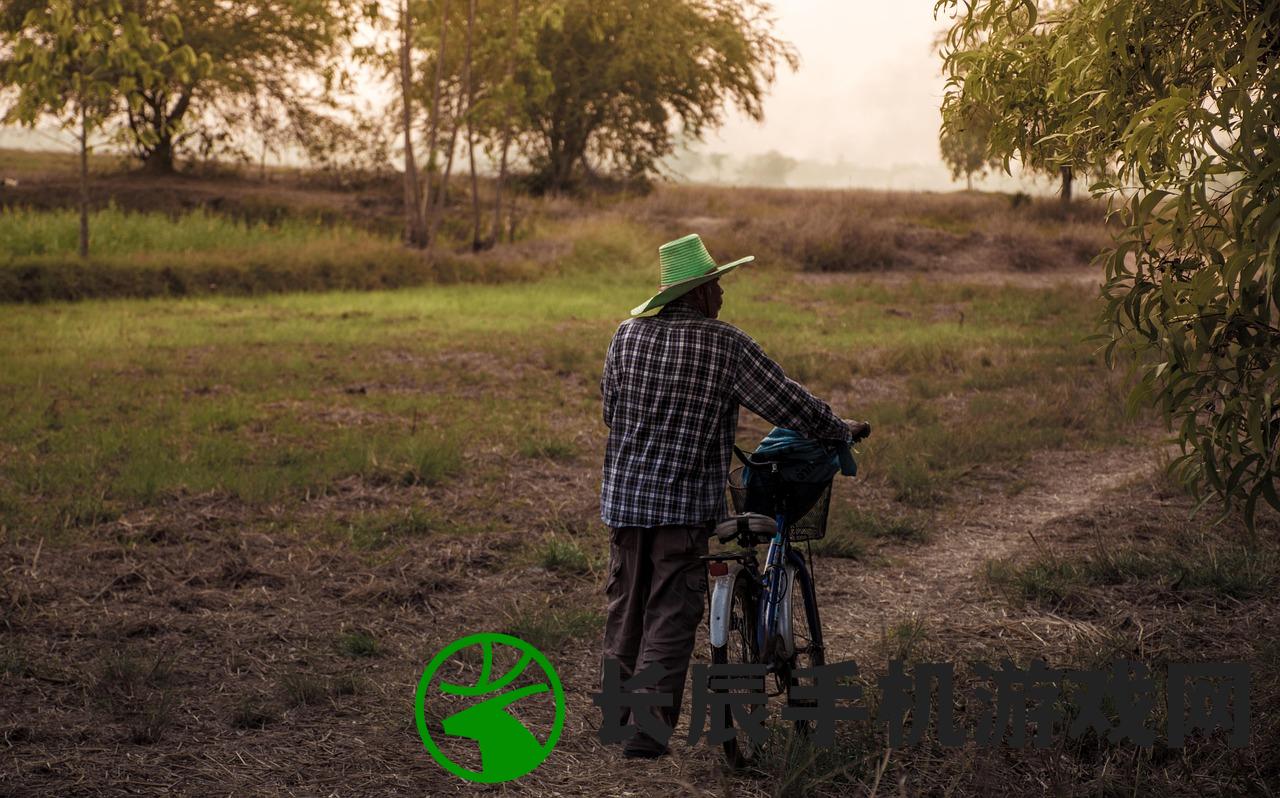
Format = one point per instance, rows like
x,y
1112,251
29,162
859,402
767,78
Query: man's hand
x,y
860,429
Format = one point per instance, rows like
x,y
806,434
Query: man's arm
x,y
763,388
608,385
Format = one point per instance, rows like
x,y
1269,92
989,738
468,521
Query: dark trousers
x,y
655,591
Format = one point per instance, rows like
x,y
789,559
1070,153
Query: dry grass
x,y
353,236
869,231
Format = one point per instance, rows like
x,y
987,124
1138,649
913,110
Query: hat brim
x,y
685,286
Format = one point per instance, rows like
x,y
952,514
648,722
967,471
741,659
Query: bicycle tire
x,y
808,653
739,649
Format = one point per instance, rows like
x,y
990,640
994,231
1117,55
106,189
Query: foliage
x,y
251,61
1181,100
622,74
964,150
263,54
75,61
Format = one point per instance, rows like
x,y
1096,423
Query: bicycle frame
x,y
770,598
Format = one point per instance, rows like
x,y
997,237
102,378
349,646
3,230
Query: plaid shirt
x,y
671,386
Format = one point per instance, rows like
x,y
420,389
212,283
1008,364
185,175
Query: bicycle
x,y
757,616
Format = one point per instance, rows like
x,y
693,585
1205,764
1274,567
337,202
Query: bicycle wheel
x,y
808,653
739,649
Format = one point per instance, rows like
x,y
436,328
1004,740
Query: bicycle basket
x,y
805,505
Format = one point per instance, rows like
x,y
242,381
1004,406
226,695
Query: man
x,y
671,387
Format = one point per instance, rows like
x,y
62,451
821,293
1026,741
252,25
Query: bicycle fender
x,y
721,596
784,613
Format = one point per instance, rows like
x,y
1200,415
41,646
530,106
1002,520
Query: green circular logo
x,y
494,665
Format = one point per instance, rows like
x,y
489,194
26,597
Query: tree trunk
x,y
506,130
559,167
968,181
497,192
159,160
471,142
424,194
1066,185
442,194
414,227
84,183
566,151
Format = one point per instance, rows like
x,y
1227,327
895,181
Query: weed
x,y
303,689
254,712
549,629
794,766
152,718
1046,581
348,684
547,446
122,674
1227,570
359,644
375,530
903,640
897,527
565,555
844,543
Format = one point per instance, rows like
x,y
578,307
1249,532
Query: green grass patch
x,y
116,232
201,253
359,645
376,530
853,533
842,543
254,712
794,766
303,689
1045,581
900,527
546,445
928,452
1213,568
905,640
565,555
547,628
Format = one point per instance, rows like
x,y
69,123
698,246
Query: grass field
x,y
235,527
275,399
232,235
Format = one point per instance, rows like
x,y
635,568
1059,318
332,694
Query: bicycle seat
x,y
746,526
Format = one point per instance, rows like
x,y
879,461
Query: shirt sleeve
x,y
608,385
763,388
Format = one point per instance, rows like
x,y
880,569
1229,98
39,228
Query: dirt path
x,y
943,581
938,584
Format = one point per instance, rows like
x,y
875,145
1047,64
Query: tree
x,y
261,54
622,73
964,151
415,227
717,160
769,169
1017,80
469,83
1182,108
76,61
509,102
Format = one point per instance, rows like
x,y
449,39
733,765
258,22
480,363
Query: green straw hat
x,y
686,264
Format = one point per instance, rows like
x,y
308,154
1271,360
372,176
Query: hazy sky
x,y
868,88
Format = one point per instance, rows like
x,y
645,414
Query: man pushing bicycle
x,y
671,388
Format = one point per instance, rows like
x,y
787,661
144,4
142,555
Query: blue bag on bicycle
x,y
798,471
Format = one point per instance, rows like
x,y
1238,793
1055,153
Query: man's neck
x,y
682,305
